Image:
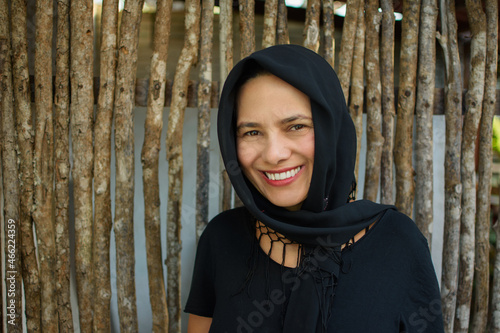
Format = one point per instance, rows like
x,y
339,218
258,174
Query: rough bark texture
x,y
388,108
373,102
473,105
347,44
482,238
282,24
247,27
10,185
311,29
358,87
270,17
453,186
43,163
482,273
405,187
203,139
328,32
82,100
424,114
187,58
62,169
494,325
25,139
124,151
226,64
150,158
102,167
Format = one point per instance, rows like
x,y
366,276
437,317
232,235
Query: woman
x,y
301,256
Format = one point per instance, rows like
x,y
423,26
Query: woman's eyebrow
x,y
294,118
247,125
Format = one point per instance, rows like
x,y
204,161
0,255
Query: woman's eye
x,y
297,127
251,133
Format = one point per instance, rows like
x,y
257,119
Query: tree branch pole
x,y
102,167
270,18
347,44
282,24
188,57
388,108
453,186
424,114
374,139
24,119
329,32
247,27
311,28
150,159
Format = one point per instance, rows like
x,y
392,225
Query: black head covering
x,y
325,220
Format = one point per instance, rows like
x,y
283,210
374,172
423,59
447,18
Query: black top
x,y
387,281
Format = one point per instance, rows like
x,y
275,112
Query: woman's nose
x,y
276,150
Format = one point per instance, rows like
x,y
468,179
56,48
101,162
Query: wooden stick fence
x,y
35,150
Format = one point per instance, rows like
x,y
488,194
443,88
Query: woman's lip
x,y
282,182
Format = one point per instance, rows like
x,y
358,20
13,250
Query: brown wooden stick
x,y
482,246
43,163
247,27
328,32
102,165
203,138
150,158
482,250
24,121
270,18
82,111
358,86
473,105
10,187
311,28
424,113
187,58
405,187
347,45
282,23
453,186
494,323
62,169
124,151
374,139
388,107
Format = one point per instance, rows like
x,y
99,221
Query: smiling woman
x,y
301,255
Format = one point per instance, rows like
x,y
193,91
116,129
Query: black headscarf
x,y
325,220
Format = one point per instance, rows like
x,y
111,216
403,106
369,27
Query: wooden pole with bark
x,y
10,187
62,169
226,64
347,45
453,187
328,32
150,159
247,27
424,114
311,28
373,102
270,18
405,187
124,152
473,106
482,239
388,107
82,111
188,57
282,23
43,163
102,167
24,119
204,97
358,86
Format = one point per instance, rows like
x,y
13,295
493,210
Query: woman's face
x,y
275,139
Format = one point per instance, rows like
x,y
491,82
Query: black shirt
x,y
387,281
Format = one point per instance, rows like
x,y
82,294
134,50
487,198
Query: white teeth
x,y
282,175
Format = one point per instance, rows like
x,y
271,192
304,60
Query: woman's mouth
x,y
280,176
